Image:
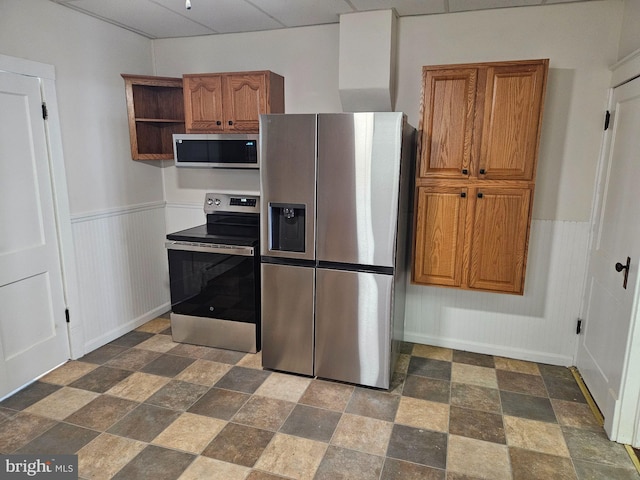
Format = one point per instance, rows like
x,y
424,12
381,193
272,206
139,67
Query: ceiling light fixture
x,y
187,4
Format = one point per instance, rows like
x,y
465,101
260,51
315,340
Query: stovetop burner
x,y
201,234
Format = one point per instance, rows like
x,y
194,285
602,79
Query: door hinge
x,y
66,315
579,327
607,119
45,112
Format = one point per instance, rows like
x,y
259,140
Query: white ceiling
x,y
170,18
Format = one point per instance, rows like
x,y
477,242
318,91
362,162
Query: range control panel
x,y
242,202
226,202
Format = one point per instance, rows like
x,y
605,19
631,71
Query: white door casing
x,y
604,348
33,332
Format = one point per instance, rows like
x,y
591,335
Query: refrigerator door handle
x,y
351,267
294,262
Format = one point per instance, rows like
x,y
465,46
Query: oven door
x,y
214,295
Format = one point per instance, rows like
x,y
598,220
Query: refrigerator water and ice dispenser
x,y
286,227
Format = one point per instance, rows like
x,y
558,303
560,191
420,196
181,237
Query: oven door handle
x,y
210,248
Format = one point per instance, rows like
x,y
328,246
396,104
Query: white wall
x,y
88,56
113,200
306,57
630,35
581,41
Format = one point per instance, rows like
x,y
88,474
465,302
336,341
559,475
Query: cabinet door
x,y
245,99
499,238
511,121
440,231
203,103
448,115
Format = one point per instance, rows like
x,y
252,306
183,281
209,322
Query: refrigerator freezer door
x,y
287,184
358,184
287,318
353,327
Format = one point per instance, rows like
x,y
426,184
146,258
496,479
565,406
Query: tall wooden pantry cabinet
x,y
478,148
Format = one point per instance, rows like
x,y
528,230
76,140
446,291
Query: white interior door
x,y
33,333
603,350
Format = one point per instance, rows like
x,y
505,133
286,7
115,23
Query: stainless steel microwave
x,y
212,150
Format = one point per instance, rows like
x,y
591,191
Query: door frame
x,y
53,134
626,428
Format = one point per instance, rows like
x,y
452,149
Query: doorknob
x,y
620,267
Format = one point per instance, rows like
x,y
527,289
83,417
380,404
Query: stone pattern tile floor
x,y
144,407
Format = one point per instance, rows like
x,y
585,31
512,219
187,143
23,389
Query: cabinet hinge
x,y
607,119
66,315
579,327
45,112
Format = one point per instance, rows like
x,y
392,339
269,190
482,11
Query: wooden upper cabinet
x,y
481,120
511,121
231,102
448,114
499,238
155,112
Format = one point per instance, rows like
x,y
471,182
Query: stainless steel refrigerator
x,y
335,204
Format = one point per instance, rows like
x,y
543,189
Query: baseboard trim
x,y
488,349
126,328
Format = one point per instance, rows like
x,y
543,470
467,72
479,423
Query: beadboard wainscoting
x,y
539,326
122,270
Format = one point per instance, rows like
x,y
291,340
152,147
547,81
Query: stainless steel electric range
x,y
214,272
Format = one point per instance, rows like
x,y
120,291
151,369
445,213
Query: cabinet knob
x,y
463,194
230,122
482,171
465,171
480,195
218,122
